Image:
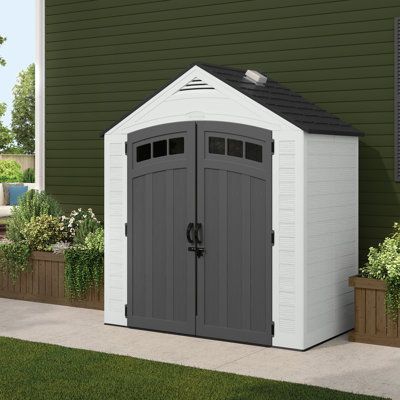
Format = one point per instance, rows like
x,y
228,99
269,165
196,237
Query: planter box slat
x,y
370,310
372,325
366,283
44,282
380,317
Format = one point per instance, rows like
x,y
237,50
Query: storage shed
x,y
231,212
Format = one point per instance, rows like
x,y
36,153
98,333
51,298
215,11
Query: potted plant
x,y
50,257
377,294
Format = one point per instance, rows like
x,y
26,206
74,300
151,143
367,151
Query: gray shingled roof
x,y
280,100
284,102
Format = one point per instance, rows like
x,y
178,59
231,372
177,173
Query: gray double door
x,y
199,230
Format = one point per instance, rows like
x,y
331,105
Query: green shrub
x,y
14,258
84,265
10,171
84,270
85,228
31,204
75,219
95,240
41,232
28,176
384,264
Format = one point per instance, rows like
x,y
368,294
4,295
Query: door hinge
x,y
126,148
272,237
126,310
126,229
273,146
273,329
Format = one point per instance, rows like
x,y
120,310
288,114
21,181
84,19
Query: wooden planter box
x,y
371,323
44,282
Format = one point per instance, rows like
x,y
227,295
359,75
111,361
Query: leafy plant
x,y
10,171
84,265
95,240
28,176
384,264
31,204
84,270
75,219
85,228
14,258
41,232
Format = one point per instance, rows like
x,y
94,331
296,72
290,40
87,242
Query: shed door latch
x,y
126,229
199,251
273,329
126,148
272,237
126,310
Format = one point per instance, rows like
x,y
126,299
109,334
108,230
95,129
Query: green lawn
x,y
40,371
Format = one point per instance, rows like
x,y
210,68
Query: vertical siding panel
x,y
246,249
169,234
148,246
223,248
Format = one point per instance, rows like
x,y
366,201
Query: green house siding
x,y
103,57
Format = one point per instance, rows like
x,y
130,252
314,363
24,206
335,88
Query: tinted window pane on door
x,y
143,152
176,146
216,145
235,148
160,148
253,152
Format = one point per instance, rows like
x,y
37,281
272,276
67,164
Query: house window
x,y
397,98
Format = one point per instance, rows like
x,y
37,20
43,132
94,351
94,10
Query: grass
x,y
41,371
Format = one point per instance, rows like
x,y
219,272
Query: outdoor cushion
x,y
15,193
6,192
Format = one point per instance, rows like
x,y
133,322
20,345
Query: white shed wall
x,y
331,234
221,104
115,216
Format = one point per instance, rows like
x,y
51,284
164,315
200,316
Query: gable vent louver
x,y
196,84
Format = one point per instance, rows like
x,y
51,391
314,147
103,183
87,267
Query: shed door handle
x,y
189,230
198,233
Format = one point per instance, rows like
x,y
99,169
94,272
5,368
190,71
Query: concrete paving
x,y
337,364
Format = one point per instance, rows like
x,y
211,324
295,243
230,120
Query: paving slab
x,y
337,364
